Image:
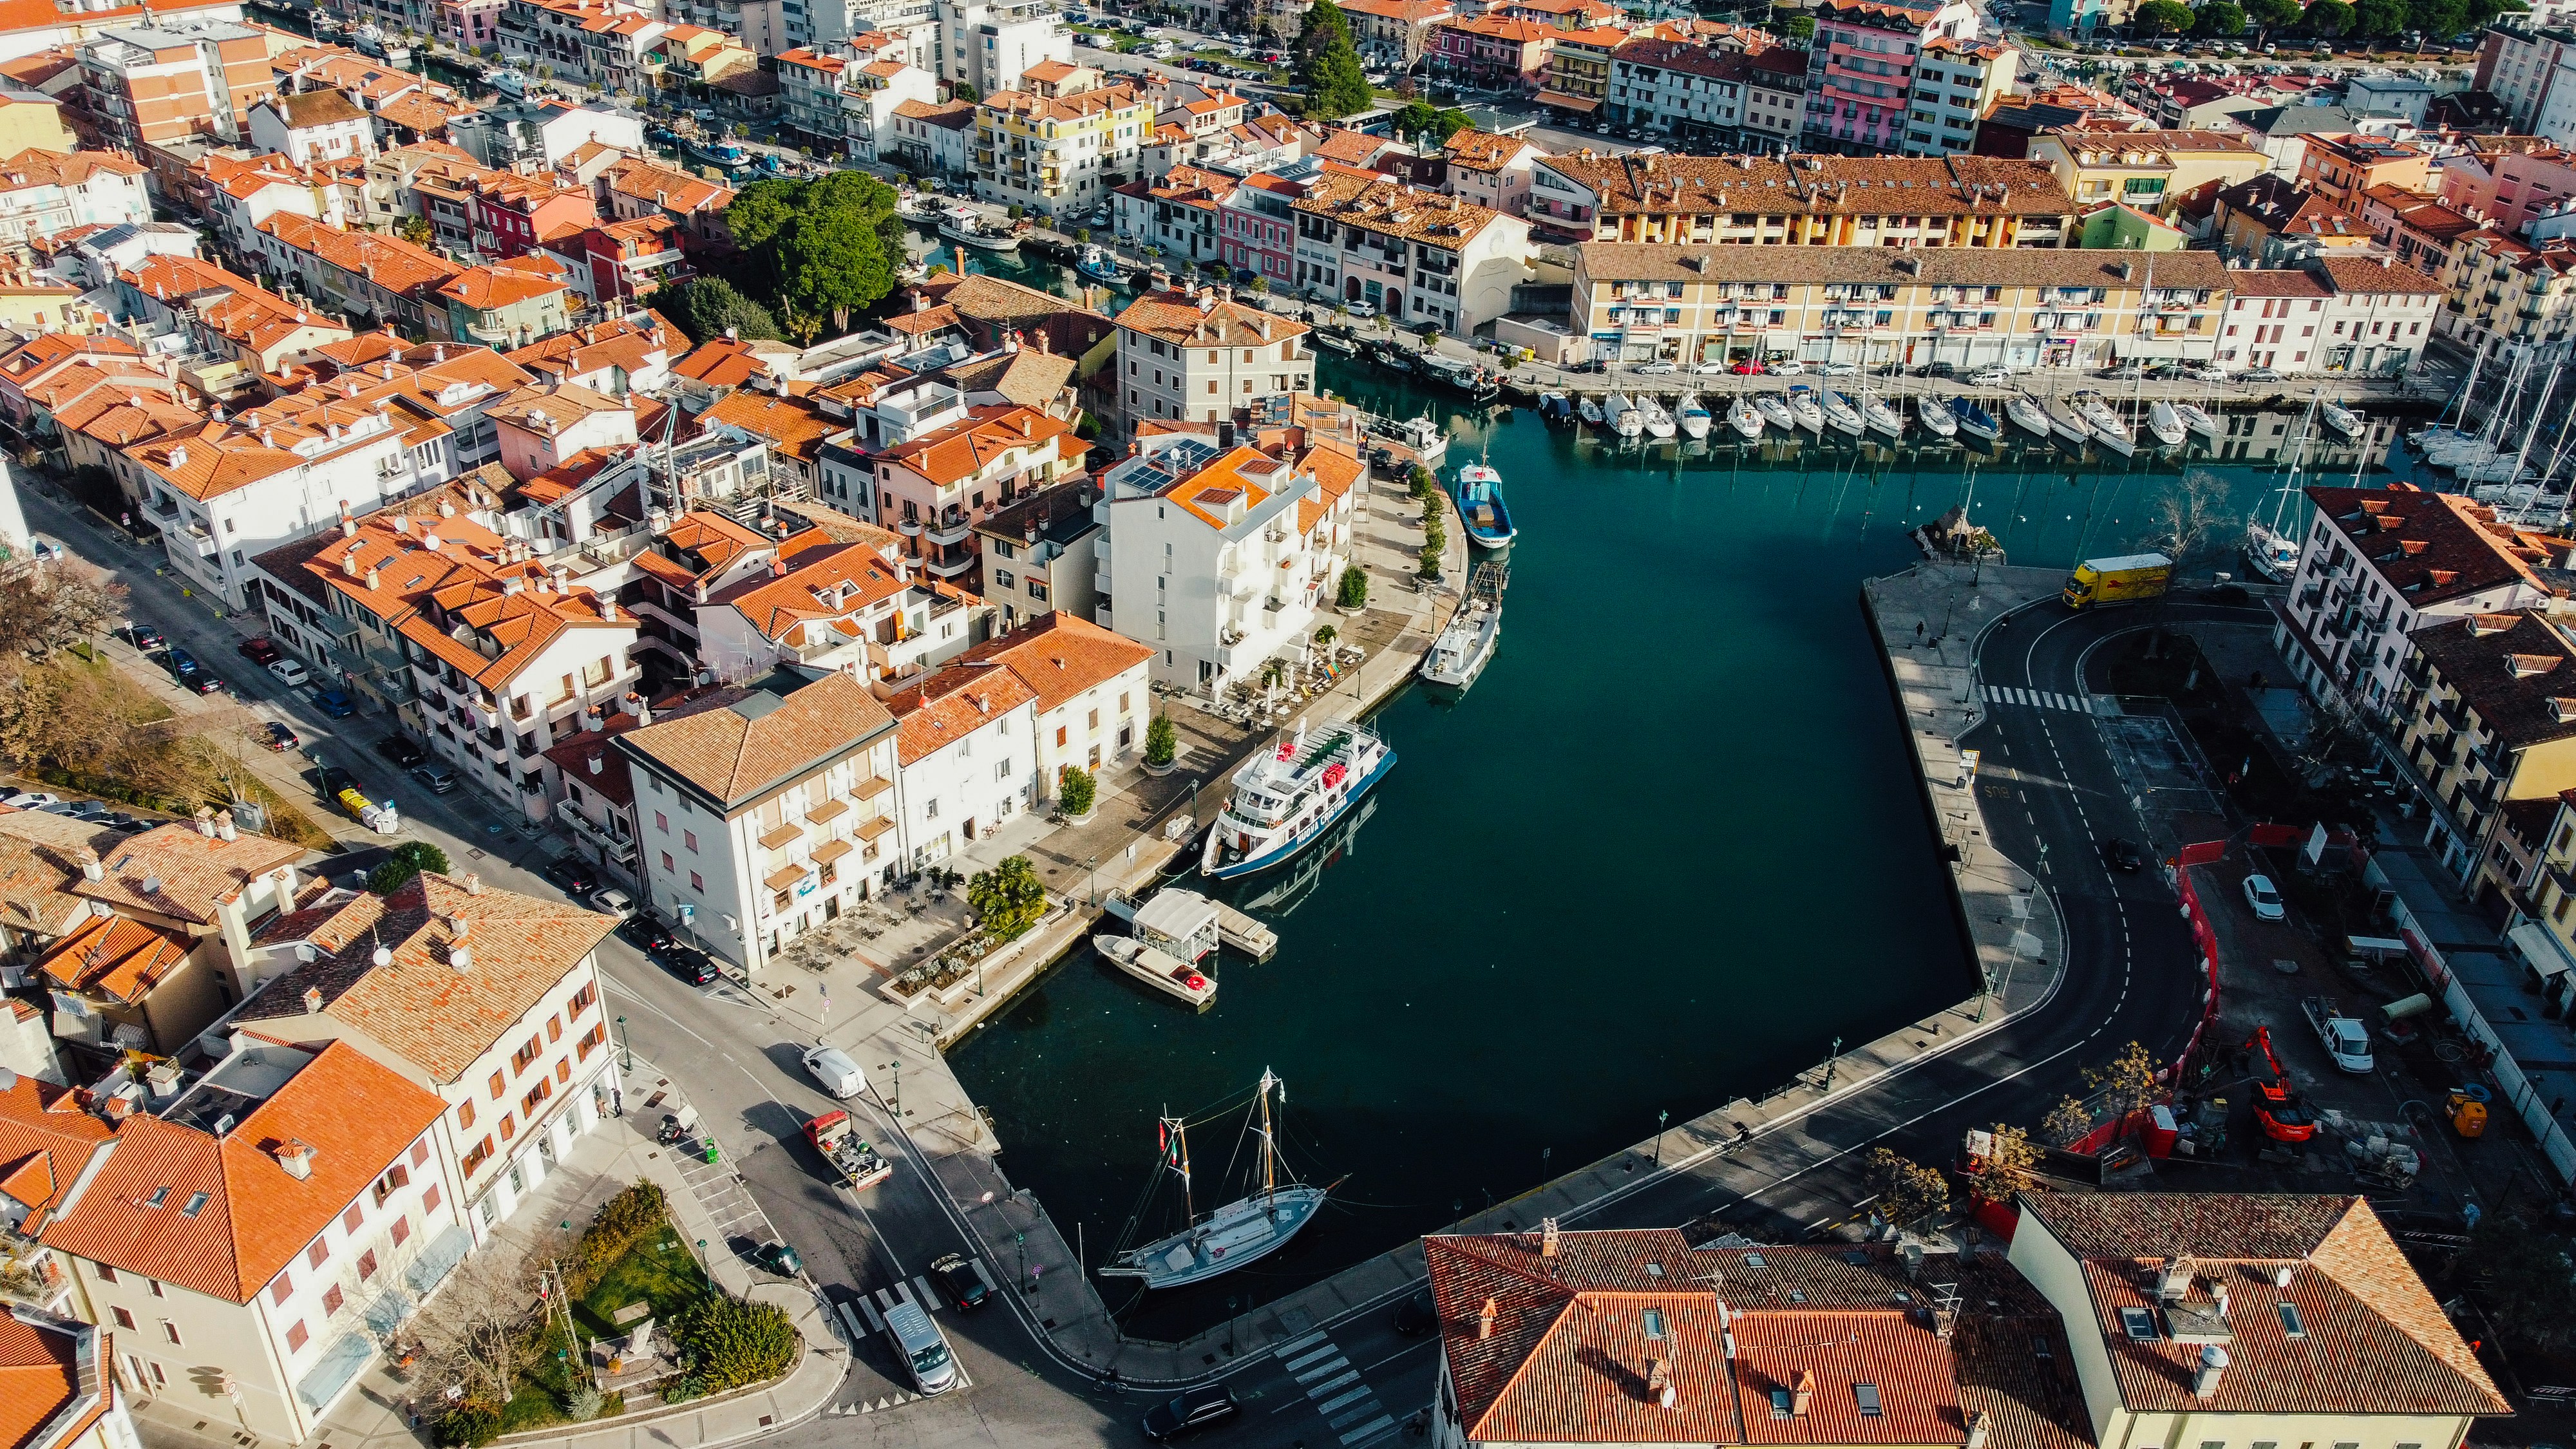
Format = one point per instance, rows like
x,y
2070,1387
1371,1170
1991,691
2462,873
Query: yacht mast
x,y
1176,1156
1269,1178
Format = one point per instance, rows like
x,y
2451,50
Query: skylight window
x,y
1780,1403
197,1202
2139,1324
159,1196
1867,1396
2291,1323
1654,1321
1754,1260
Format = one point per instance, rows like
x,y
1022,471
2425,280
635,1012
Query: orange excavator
x,y
2277,1107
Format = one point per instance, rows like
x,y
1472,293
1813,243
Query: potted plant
x,y
1352,597
1162,746
1075,794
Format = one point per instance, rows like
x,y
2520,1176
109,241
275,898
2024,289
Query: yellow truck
x,y
2131,578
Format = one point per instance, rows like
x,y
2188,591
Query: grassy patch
x,y
659,1270
129,698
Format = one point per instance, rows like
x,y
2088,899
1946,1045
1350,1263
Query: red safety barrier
x,y
2202,853
1998,1218
2274,835
2204,936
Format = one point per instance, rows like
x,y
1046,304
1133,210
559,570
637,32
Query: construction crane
x,y
2277,1107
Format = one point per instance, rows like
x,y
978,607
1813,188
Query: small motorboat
x,y
966,224
1937,416
2065,421
2194,419
1479,492
2342,419
1099,266
1465,646
1554,406
2027,414
1973,419
1881,418
1774,411
1167,974
1590,411
2164,424
1333,340
2105,424
1746,419
1659,423
1805,411
1625,416
1693,417
1842,416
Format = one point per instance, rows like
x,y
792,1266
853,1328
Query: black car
x,y
958,1279
202,682
145,637
570,877
644,934
280,738
1416,1317
1942,369
401,751
2120,855
1189,1412
691,965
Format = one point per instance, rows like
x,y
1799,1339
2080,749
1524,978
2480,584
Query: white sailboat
x,y
1243,1231
1937,416
2195,418
1775,411
1589,410
2105,424
2340,418
2066,421
1841,416
2271,550
2027,414
1693,417
1625,416
1881,418
2164,423
1804,410
1659,423
1746,419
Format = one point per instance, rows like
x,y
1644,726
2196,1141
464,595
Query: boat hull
x,y
1241,1232
1165,973
1438,668
1287,849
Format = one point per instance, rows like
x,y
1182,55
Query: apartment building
x,y
1209,555
221,315
855,606
1061,149
991,44
2341,168
505,304
215,885
1394,33
1038,554
967,743
1179,214
1955,83
311,126
1199,358
2420,233
1494,51
1418,257
764,809
2381,564
872,92
1677,88
2509,187
2532,71
118,985
1954,201
1490,171
1860,69
2482,719
1257,228
361,274
2149,170
44,192
2504,291
239,1232
1874,306
934,488
63,1374
428,611
154,83
912,27
1090,687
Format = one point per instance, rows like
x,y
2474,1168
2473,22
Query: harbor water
x,y
1664,853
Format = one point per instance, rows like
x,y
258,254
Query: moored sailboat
x,y
1243,1231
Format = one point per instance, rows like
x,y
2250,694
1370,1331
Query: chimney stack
x,y
297,1158
473,883
90,867
205,822
312,1001
1803,1396
224,827
1485,1319
1547,1237
1978,1429
2213,1364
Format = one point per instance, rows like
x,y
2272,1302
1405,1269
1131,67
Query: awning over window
x,y
1564,102
439,1259
340,1362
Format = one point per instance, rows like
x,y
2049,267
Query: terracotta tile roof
x,y
737,745
358,1116
1079,106
1410,11
978,440
1028,377
952,704
422,113
1684,56
1816,185
1059,656
576,754
2375,1341
2517,671
627,344
699,543
1499,27
234,309
392,263
501,285
2433,546
948,116
999,304
1177,317
1351,148
40,1377
1921,266
46,1138
548,407
319,108
1484,151
827,585
2279,205
193,876
58,168
421,1005
731,362
793,426
2259,282
114,956
922,322
1397,209
2369,274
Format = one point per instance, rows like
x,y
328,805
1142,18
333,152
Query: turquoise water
x,y
1664,853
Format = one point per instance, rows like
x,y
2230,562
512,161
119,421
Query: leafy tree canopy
x,y
819,249
2272,14
1419,116
1328,66
2329,18
2161,17
2219,17
2378,19
705,307
408,859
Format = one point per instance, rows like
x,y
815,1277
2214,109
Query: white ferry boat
x,y
1287,798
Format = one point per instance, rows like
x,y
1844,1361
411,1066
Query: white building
x,y
43,192
1955,83
224,492
1184,358
1417,257
1208,557
968,744
2340,314
1062,144
990,44
323,125
1091,688
762,812
872,92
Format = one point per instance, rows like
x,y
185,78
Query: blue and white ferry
x,y
1287,799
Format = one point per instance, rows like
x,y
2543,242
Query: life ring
x,y
1196,982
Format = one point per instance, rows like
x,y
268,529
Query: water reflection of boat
x,y
1286,892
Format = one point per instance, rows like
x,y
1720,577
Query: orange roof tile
x,y
1060,656
952,704
971,444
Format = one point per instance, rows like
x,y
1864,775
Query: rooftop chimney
x,y
635,706
597,762
2213,1364
90,867
1803,1396
473,883
205,822
296,1157
1485,1319
2173,1280
1978,1428
224,827
1547,1237
312,1000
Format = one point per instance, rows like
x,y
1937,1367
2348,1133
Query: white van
x,y
918,1342
838,1075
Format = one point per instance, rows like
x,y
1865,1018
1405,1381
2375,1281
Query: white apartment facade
x,y
1197,359
967,740
990,44
224,492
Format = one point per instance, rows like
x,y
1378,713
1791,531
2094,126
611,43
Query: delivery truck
x,y
2128,579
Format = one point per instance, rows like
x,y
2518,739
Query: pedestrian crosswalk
x,y
917,1290
2037,698
1350,1407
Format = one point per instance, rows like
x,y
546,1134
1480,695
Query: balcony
x,y
951,531
951,567
616,847
908,525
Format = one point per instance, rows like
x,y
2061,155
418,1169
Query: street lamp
x,y
625,1047
895,1091
1091,869
1660,1119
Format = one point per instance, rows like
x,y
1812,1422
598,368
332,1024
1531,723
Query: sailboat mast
x,y
1269,1178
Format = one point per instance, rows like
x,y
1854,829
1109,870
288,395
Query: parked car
x,y
1790,368
2264,898
1658,369
2122,370
436,776
335,703
690,964
1746,369
1360,311
281,738
1417,1316
259,651
960,1282
29,799
778,1258
203,683
1840,369
290,671
145,637
1942,369
615,902
402,751
2258,374
1713,369
1190,1411
833,1068
182,662
1991,376
571,877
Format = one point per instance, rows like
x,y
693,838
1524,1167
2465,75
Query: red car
x,y
260,651
1747,369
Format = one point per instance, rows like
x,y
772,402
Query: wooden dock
x,y
1245,934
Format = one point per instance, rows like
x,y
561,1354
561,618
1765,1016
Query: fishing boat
x,y
1243,1231
1425,441
1746,419
1841,416
1286,797
1167,974
1479,492
1937,416
2026,413
1804,410
1659,423
1775,411
2342,419
1555,406
1096,263
2195,418
2065,421
1334,340
1391,356
2104,423
966,225
1625,417
1974,420
1881,418
1465,645
1590,411
1693,416
2164,424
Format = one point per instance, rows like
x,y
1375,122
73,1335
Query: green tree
x,y
414,229
2328,18
1162,741
2379,19
1353,592
1799,27
823,249
2160,17
1328,66
2438,19
2522,1278
2271,15
834,263
1007,898
1077,791
2219,17
1417,117
1908,1192
729,1342
707,306
408,859
961,91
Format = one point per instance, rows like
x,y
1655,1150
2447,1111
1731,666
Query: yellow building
x,y
2503,289
1061,146
30,121
2150,170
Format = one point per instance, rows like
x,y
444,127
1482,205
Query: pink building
x,y
1495,52
1257,228
2509,188
469,24
1860,69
